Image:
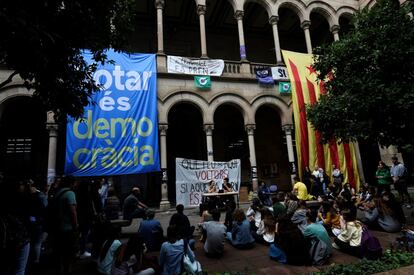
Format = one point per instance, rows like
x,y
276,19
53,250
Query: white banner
x,y
193,176
280,73
183,65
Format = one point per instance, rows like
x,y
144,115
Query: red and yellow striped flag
x,y
310,152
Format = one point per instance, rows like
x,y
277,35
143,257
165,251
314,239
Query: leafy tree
x,y
370,79
42,42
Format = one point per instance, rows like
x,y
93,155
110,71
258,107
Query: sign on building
x,y
119,131
193,176
183,65
280,73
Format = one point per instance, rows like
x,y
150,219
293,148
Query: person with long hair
x,y
240,235
349,241
265,234
107,254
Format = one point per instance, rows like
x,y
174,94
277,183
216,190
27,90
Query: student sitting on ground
x,y
216,234
265,234
240,236
349,241
108,251
254,215
151,231
228,222
317,231
172,252
330,218
279,209
299,217
291,204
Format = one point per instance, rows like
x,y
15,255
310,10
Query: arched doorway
x,y
230,139
185,139
291,35
23,139
319,30
271,149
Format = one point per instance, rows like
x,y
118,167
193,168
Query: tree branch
x,y
8,80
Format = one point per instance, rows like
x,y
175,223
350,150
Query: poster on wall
x,y
119,131
183,65
193,176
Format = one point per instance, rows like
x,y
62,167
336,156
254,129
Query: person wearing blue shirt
x,y
240,235
151,231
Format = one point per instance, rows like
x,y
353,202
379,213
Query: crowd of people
x,y
73,220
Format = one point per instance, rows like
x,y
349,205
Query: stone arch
x,y
271,11
235,100
281,107
165,106
347,12
11,92
295,5
325,10
235,4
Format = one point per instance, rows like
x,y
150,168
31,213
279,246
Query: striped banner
x,y
310,151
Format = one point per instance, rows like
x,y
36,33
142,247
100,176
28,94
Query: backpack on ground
x,y
370,245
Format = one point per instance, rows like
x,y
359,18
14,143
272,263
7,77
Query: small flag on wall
x,y
202,82
284,88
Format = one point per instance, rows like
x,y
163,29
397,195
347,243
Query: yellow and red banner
x,y
310,151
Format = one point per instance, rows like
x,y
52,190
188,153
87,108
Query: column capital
x,y
208,128
335,29
305,24
238,15
52,128
163,129
287,127
250,129
201,9
273,20
159,4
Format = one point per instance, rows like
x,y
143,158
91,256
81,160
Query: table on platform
x,y
205,196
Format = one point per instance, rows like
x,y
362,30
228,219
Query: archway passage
x,y
291,35
230,139
271,150
23,140
319,30
345,25
185,139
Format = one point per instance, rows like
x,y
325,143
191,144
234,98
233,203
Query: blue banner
x,y
119,131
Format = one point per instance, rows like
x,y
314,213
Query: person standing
x,y
337,178
383,176
398,174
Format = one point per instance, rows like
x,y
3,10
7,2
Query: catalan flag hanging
x,y
310,151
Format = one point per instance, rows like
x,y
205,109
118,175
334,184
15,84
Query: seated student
x,y
299,217
349,240
181,221
290,241
379,215
228,222
108,251
212,187
172,252
264,194
279,209
347,192
151,231
318,231
131,259
240,235
227,186
265,234
216,234
300,190
112,205
254,215
330,218
291,204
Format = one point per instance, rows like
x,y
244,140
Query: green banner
x,y
285,88
202,82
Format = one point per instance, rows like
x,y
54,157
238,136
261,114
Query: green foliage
x,y
41,41
371,94
391,260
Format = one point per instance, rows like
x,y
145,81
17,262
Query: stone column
x,y
201,10
273,21
305,26
238,15
165,203
335,32
52,128
208,128
287,128
159,5
252,151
